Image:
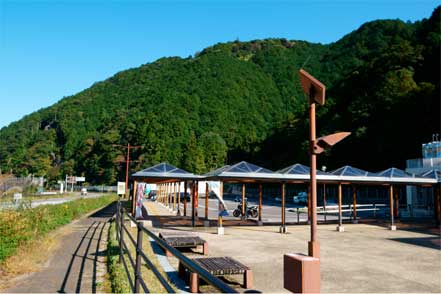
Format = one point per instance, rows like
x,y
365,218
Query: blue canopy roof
x,y
394,173
298,169
433,174
348,170
243,170
166,171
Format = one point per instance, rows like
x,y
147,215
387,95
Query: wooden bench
x,y
218,266
184,240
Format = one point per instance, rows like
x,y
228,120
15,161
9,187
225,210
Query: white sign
x,y
121,188
71,179
80,179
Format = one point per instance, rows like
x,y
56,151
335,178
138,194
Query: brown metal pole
x,y
193,199
391,204
340,192
127,169
167,195
260,202
324,201
313,246
221,191
243,201
396,196
354,203
174,196
185,198
179,198
283,228
309,204
196,199
206,200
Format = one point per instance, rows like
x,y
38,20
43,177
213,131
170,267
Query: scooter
x,y
250,211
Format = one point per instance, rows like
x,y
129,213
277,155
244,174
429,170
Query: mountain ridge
x,y
238,100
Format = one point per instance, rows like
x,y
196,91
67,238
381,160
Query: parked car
x,y
301,198
83,191
187,196
152,194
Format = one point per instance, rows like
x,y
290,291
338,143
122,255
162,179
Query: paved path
x,y
78,264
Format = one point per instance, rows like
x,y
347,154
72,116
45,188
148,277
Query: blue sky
x,y
53,49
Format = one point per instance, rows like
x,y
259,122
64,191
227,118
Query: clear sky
x,y
53,49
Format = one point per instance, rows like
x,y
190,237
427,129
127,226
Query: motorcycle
x,y
250,211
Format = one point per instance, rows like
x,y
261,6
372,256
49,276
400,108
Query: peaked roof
x,y
433,174
348,170
298,169
246,167
166,171
242,170
394,173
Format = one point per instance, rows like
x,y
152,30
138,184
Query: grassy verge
x,y
117,275
21,227
117,272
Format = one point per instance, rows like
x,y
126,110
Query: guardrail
x,y
121,231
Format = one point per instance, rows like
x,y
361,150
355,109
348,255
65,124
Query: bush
x,y
18,227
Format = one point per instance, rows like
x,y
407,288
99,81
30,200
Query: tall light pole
x,y
301,273
128,147
315,91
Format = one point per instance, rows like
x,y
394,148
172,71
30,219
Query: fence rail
x,y
135,263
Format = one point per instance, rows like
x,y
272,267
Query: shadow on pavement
x,y
87,245
429,242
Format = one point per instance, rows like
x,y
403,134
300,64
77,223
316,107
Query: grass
x,y
21,227
117,272
117,275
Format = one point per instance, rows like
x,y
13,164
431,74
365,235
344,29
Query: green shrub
x,y
18,227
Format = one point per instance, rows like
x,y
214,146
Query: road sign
x,y
121,188
71,179
80,179
312,87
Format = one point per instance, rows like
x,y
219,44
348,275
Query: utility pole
x,y
128,147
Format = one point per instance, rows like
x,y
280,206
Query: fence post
x,y
138,257
121,229
117,221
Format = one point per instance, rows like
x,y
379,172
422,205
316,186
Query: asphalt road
x,y
271,210
52,201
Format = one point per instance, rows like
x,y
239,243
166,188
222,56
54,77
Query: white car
x,y
83,191
301,198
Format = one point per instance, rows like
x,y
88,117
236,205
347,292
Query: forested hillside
x,y
242,101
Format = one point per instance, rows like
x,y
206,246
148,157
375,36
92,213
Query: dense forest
x,y
242,101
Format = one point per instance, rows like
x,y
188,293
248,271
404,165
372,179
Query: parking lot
x,y
271,210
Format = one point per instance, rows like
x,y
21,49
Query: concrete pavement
x,y
364,258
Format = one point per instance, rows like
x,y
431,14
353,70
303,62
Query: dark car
x,y
187,196
152,194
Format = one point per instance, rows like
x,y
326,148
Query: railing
x,y
138,282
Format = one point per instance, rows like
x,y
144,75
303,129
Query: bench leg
x,y
181,270
248,279
194,283
205,248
